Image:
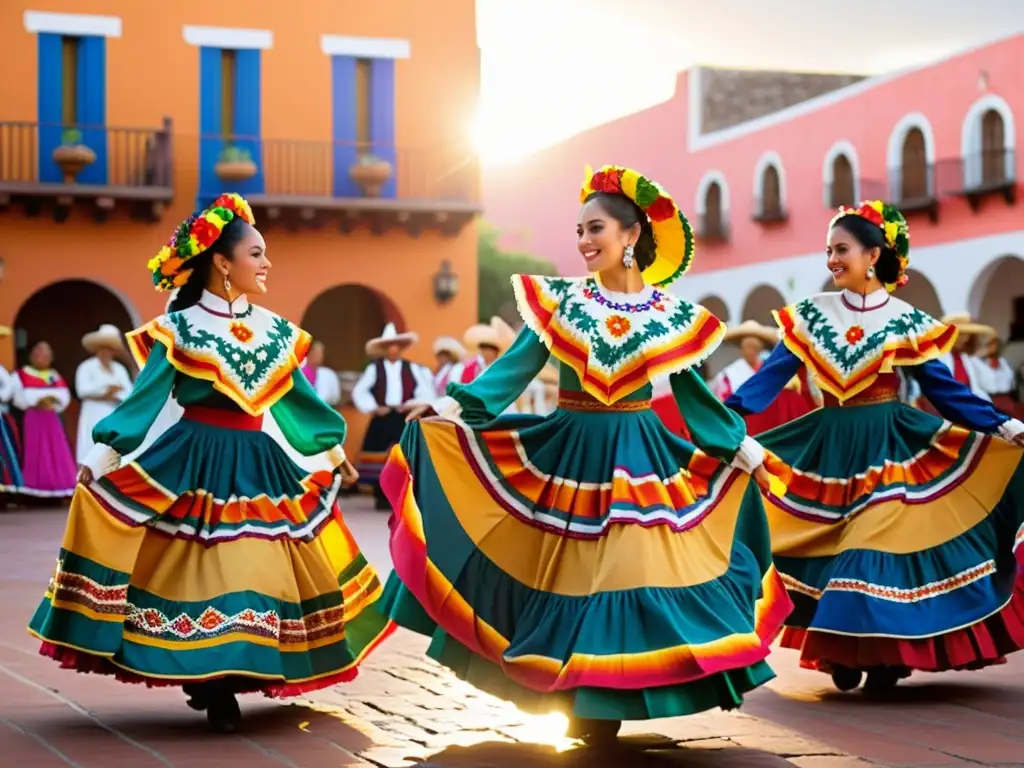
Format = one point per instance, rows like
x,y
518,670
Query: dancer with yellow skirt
x,y
217,558
590,561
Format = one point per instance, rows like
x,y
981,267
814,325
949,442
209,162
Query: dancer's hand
x,y
85,475
382,410
1018,439
418,412
762,478
349,474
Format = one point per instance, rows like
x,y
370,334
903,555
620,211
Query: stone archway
x,y
922,294
344,318
60,314
997,297
760,302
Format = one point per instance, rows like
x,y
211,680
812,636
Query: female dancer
x,y
10,448
895,529
590,560
213,560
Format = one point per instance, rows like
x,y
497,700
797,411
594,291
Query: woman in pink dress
x,y
48,468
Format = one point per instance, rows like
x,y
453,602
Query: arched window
x,y
714,217
993,149
915,171
843,190
771,193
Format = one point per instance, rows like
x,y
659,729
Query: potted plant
x,y
235,164
371,173
72,156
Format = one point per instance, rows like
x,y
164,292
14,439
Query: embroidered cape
x,y
615,347
249,358
846,348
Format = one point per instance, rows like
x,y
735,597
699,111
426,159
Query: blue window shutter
x,y
50,101
210,143
92,105
343,120
382,117
248,109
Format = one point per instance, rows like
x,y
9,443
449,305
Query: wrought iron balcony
x,y
310,183
64,165
978,175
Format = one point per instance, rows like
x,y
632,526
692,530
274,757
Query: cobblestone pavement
x,y
404,710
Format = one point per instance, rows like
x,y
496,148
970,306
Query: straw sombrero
x,y
753,328
378,346
449,345
497,334
4,330
966,326
106,335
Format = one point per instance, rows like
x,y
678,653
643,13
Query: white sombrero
x,y
106,335
378,346
966,326
754,329
449,345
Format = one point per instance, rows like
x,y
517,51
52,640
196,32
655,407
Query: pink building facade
x,y
938,141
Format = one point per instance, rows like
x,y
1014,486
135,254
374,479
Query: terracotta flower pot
x,y
235,170
72,160
371,177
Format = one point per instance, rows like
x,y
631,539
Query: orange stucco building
x,y
286,108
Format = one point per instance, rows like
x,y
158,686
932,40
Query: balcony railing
x,y
713,228
768,211
989,170
317,171
129,162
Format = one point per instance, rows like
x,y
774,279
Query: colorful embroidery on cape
x,y
846,361
614,347
255,372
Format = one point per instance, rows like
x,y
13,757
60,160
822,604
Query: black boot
x,y
198,697
884,678
222,711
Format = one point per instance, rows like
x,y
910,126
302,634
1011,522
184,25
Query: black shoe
x,y
884,678
223,713
198,696
382,505
594,732
845,678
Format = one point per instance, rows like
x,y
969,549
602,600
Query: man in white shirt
x,y
385,390
963,362
449,354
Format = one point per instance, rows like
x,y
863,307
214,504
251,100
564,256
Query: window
x,y
914,184
843,190
228,70
69,80
993,149
771,193
714,219
364,76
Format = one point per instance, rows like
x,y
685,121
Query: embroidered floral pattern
x,y
617,325
854,334
241,331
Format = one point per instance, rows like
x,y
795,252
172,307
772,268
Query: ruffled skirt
x,y
212,555
900,538
591,563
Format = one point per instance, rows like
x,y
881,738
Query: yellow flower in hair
x,y
193,245
892,229
877,205
214,219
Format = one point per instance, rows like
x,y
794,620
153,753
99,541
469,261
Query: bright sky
x,y
552,68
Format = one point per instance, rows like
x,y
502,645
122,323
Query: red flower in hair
x,y
661,209
607,181
204,232
871,214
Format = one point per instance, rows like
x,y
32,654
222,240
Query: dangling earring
x,y
871,273
227,292
627,256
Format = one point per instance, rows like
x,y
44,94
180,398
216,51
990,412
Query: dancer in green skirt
x,y
895,530
590,561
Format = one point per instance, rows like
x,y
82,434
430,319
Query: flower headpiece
x,y
673,236
894,229
192,237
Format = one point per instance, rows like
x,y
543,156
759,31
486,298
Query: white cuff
x,y
447,407
336,456
749,456
101,459
1010,428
